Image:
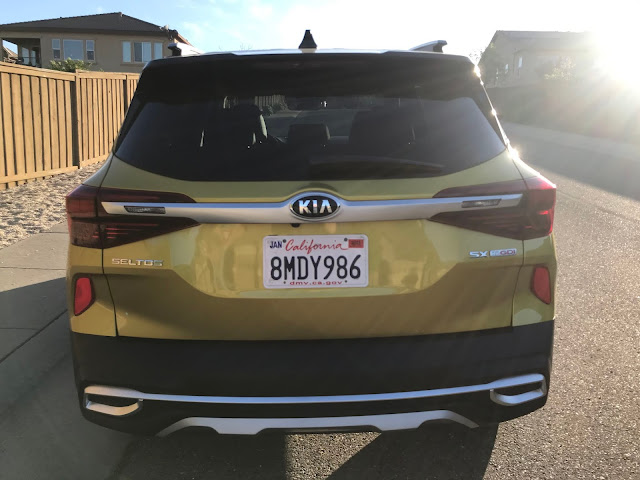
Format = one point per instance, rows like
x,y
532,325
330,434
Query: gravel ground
x,y
37,206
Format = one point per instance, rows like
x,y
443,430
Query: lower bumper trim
x,y
383,423
521,380
534,383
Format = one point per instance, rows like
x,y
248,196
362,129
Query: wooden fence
x,y
55,122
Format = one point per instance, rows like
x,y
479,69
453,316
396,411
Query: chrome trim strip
x,y
110,409
373,397
383,423
279,212
511,400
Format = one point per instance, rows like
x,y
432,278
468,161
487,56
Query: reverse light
x,y
532,218
147,210
92,227
83,296
492,202
541,284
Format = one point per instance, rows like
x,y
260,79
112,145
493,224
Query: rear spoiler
x,y
434,46
179,49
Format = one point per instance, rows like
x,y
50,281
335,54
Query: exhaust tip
x,y
112,406
510,396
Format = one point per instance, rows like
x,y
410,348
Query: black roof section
x,y
249,56
116,22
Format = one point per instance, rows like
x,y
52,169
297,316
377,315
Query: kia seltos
x,y
311,241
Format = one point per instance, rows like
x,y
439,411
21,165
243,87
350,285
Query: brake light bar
x,y
532,218
90,226
498,188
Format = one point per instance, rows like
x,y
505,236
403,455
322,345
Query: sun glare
x,y
617,56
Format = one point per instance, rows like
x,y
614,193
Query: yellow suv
x,y
311,241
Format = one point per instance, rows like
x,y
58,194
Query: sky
x,y
214,25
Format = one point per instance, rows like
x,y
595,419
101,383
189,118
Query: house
x,y
8,55
112,42
515,58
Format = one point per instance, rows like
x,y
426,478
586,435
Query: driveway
x,y
589,428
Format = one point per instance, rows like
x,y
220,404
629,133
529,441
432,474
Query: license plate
x,y
315,261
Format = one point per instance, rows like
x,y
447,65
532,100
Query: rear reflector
x,y
83,296
541,284
91,226
532,218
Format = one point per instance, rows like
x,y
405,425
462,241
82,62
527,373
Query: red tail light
x,y
90,225
83,296
532,218
82,217
541,284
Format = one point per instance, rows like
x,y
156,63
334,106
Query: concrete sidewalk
x,y
609,166
41,427
33,318
604,146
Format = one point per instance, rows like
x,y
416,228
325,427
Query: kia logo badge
x,y
314,206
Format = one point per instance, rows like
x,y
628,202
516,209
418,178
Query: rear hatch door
x,y
310,196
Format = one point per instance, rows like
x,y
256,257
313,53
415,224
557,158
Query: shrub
x,y
70,65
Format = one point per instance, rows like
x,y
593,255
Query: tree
x,y
491,64
563,71
476,55
69,65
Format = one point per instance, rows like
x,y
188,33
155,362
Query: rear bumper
x,y
379,383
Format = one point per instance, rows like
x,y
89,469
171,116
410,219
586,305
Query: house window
x,y
141,51
520,62
27,56
73,49
55,44
126,52
506,68
157,50
137,52
91,50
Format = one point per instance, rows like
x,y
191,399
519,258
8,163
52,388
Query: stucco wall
x,y
108,48
535,61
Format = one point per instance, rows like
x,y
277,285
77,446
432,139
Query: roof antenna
x,y
308,43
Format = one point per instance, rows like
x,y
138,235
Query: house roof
x,y
8,52
539,34
116,22
540,40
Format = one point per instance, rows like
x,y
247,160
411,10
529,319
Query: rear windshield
x,y
308,117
